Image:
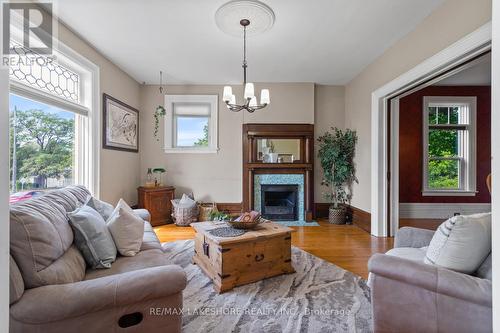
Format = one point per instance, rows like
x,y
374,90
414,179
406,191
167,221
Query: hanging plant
x,y
159,112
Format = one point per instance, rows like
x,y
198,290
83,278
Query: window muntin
x,y
449,145
43,73
191,123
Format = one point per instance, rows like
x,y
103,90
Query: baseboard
x,y
440,210
359,217
231,208
321,209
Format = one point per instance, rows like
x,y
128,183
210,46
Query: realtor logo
x,y
34,24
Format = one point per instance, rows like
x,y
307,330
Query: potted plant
x,y
336,154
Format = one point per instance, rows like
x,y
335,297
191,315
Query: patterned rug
x,y
319,297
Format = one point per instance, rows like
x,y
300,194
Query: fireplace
x,y
279,202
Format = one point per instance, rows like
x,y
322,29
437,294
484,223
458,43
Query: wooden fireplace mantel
x,y
304,165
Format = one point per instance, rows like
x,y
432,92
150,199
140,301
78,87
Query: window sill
x,y
191,150
449,193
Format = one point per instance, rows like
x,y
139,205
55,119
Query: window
x,y
191,123
449,146
54,123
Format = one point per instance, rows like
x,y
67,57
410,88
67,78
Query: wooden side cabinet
x,y
157,201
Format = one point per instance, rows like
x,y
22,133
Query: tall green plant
x,y
336,154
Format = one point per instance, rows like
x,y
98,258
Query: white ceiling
x,y
477,75
321,41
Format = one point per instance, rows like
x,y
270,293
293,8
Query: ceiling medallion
x,y
229,15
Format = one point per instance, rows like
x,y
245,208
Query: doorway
x,y
384,201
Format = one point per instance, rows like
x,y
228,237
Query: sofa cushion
x,y
103,208
150,240
410,253
41,238
143,214
143,259
461,243
92,237
16,282
485,270
126,228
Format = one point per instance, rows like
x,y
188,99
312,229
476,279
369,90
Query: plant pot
x,y
337,215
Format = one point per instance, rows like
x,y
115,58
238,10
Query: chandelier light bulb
x,y
249,91
264,96
253,102
228,92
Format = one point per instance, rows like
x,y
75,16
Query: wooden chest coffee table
x,y
233,261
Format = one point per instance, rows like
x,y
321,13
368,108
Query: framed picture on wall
x,y
120,125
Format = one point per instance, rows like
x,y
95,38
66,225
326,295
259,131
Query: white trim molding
x,y
464,49
440,210
171,123
466,146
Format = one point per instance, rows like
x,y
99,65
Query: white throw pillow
x,y
461,243
127,229
186,202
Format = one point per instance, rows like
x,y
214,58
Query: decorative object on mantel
x,y
336,154
263,18
120,125
160,109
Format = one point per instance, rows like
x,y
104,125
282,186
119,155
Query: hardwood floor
x,y
346,246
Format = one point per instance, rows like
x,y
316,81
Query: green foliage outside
x,y
43,147
336,154
203,142
443,173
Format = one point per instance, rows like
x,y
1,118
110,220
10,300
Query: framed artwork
x,y
120,125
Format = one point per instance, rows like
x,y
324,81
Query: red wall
x,y
411,150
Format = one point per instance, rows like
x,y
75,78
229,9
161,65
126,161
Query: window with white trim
x,y
449,145
191,123
54,122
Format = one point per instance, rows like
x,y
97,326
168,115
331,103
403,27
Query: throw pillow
x,y
103,208
127,229
92,237
461,243
186,202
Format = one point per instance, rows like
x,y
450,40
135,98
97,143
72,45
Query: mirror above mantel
x,y
277,150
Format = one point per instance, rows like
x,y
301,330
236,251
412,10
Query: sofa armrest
x,y
143,214
433,278
58,302
413,237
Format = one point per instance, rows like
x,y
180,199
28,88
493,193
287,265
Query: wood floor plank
x,y
346,246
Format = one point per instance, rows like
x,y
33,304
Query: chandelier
x,y
250,101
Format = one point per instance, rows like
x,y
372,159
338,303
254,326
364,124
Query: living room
x,y
250,166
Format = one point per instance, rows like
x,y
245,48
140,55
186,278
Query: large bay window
x,y
449,146
54,120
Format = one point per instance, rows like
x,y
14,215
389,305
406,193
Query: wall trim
x,y
464,49
440,210
359,217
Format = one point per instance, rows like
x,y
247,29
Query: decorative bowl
x,y
246,225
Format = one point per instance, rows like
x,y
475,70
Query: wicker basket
x,y
337,215
204,210
246,225
184,216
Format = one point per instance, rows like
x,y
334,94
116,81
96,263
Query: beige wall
x,y
447,24
119,172
329,112
218,177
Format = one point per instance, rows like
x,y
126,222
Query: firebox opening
x,y
279,202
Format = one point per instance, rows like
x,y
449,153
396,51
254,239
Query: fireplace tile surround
x,y
280,179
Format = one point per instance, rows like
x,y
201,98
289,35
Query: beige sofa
x,y
52,291
411,296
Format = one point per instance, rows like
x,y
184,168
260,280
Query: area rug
x,y
319,297
298,223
